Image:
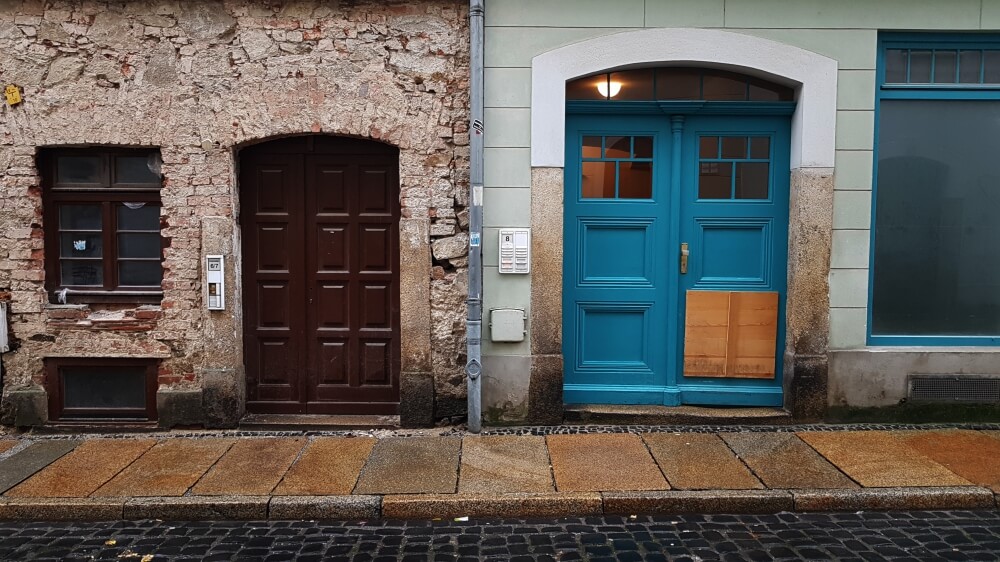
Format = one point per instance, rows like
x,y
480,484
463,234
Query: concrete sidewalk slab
x,y
784,462
969,454
329,466
36,456
505,464
324,507
603,462
411,465
877,459
61,509
7,445
699,461
251,467
963,497
491,505
168,469
83,470
242,508
685,501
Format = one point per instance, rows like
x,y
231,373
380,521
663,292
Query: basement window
x,y
101,388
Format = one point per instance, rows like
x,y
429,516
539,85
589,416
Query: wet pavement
x,y
846,537
220,475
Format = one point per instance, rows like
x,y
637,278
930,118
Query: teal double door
x,y
675,259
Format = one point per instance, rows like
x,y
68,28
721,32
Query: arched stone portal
x,y
810,214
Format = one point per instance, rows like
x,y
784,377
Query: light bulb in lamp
x,y
605,87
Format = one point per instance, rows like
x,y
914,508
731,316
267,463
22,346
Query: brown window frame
x,y
108,193
55,389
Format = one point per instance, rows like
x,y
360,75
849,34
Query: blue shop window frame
x,y
922,92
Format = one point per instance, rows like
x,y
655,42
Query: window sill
x,y
75,297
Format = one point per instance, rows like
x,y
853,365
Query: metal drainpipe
x,y
474,304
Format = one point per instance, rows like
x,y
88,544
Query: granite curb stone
x,y
325,507
197,508
684,501
61,509
909,498
433,506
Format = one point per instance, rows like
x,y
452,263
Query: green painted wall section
x,y
845,30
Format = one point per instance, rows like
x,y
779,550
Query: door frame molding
x,y
415,377
812,152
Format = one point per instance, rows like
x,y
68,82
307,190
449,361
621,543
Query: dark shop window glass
x,y
895,66
991,67
587,88
969,66
920,67
945,67
936,267
724,86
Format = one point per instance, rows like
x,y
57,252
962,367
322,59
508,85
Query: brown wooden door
x,y
320,219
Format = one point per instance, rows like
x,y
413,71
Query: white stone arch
x,y
814,77
812,151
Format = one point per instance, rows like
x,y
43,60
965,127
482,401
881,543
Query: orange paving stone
x,y
782,461
83,470
252,467
603,463
7,445
969,454
328,466
699,461
503,464
168,469
877,459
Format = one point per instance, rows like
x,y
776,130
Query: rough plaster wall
x,y
199,79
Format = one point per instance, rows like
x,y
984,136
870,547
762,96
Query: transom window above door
x,y
675,84
617,167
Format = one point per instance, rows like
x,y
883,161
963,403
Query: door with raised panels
x,y
320,239
675,243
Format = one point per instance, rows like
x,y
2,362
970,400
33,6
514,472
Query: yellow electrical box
x,y
13,94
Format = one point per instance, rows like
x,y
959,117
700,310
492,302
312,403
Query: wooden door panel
x,y
374,193
731,334
321,328
374,249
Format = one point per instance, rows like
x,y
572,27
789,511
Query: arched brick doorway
x,y
320,245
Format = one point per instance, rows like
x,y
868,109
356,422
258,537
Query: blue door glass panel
x,y
623,293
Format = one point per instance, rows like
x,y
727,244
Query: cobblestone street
x,y
863,536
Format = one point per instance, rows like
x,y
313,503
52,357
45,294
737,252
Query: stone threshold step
x,y
446,506
604,414
307,422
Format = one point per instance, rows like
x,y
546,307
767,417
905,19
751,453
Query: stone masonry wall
x,y
199,79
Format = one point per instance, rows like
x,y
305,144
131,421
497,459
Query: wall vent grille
x,y
966,389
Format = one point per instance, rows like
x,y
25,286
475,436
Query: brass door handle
x,y
684,257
